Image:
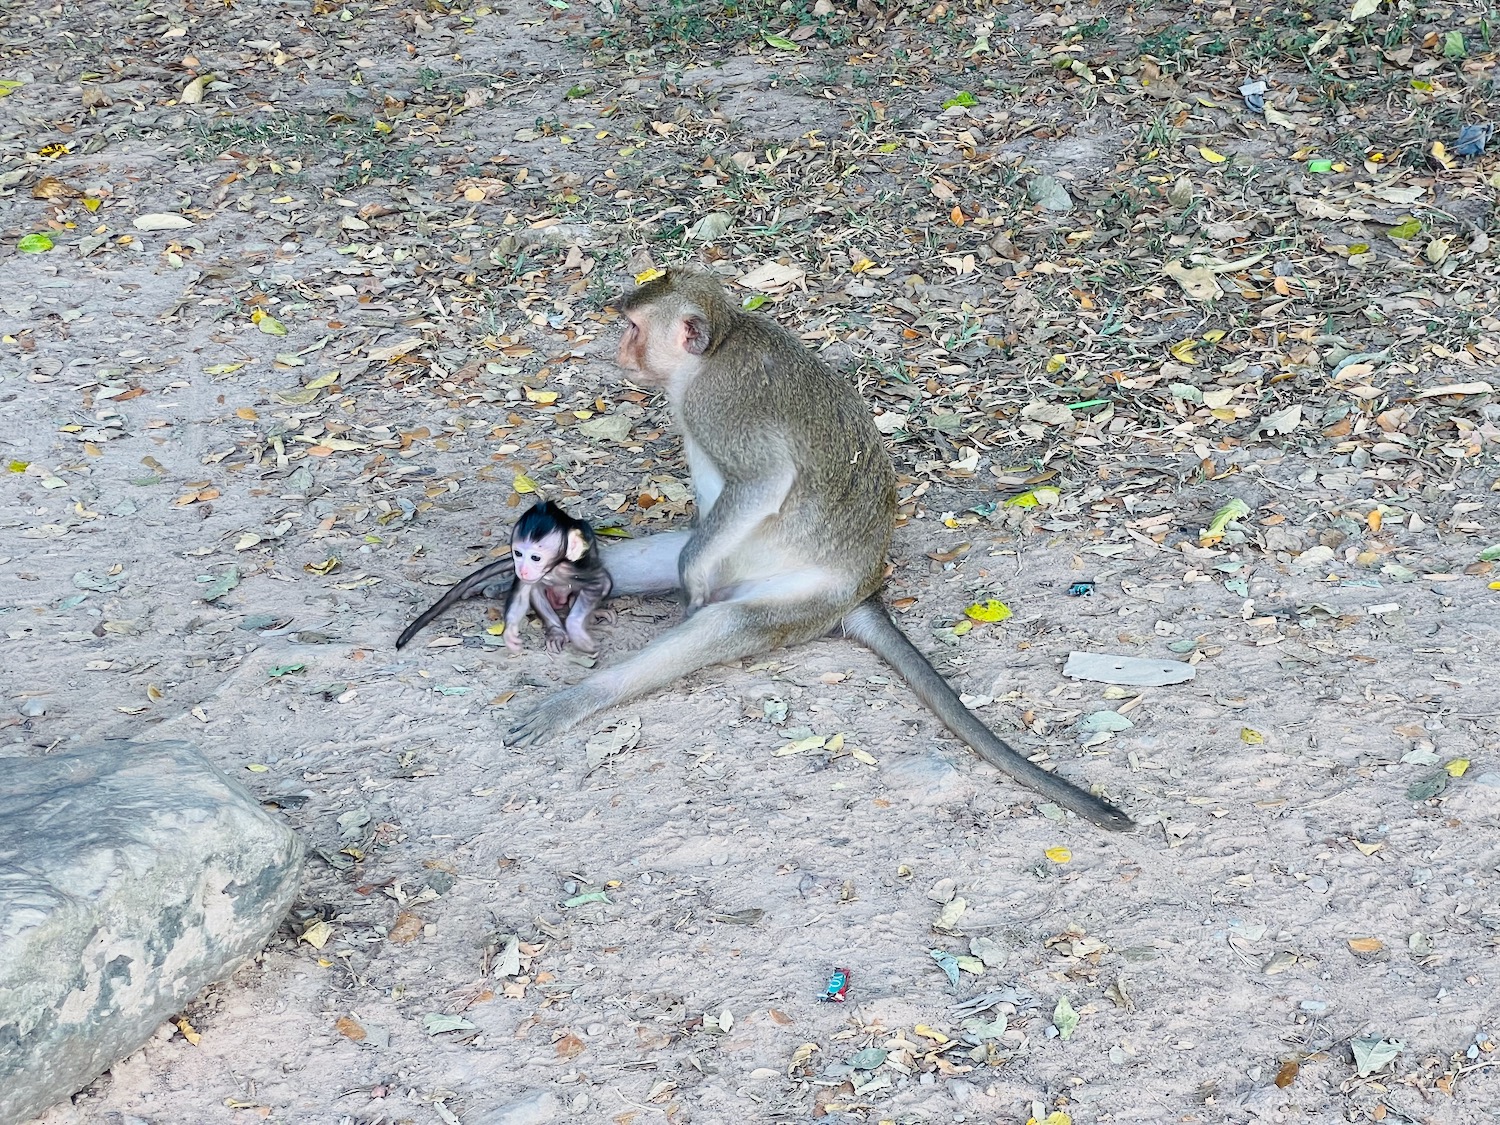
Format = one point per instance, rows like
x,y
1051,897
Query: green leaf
x,y
222,585
963,98
1490,554
34,244
435,1023
1064,1018
279,670
1370,1054
781,42
750,304
1409,228
1453,45
947,962
1429,787
586,898
1236,509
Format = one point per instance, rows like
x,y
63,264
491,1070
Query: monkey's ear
x,y
694,330
577,546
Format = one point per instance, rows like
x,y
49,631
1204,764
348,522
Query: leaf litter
x,y
1194,303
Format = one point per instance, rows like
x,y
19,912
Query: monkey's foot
x,y
606,615
557,640
553,715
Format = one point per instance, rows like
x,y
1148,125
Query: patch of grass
x,y
687,27
309,138
1167,43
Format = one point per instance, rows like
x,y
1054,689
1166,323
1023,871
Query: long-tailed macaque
x,y
554,558
796,504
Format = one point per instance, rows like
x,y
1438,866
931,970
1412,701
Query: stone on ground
x,y
131,876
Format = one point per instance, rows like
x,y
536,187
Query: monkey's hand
x,y
513,639
695,569
557,640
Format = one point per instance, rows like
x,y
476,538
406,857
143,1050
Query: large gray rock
x,y
131,876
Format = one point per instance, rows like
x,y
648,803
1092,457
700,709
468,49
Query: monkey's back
x,y
764,397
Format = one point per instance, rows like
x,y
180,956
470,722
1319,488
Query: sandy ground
x,y
648,940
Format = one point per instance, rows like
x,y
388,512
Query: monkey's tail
x,y
870,624
464,588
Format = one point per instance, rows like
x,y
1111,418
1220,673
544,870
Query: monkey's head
x,y
544,537
672,322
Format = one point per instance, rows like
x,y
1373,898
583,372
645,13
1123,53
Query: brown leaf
x,y
349,1027
569,1046
408,927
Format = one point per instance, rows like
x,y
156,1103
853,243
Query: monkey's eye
x,y
536,558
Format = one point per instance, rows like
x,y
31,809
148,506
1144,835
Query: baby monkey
x,y
557,568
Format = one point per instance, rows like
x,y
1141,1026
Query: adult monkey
x,y
796,504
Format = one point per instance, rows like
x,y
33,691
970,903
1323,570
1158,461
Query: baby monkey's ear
x,y
578,546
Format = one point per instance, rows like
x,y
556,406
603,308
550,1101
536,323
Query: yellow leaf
x,y
861,265
932,1033
384,127
245,414
189,1032
1365,945
1369,849
1056,1117
1058,855
495,630
1214,335
1251,737
990,610
962,628
1211,156
1182,351
1056,364
816,742
317,934
224,368
523,484
327,566
91,204
256,767
648,275
862,756
541,398
1457,767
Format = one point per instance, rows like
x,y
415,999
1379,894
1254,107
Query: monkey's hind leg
x,y
782,610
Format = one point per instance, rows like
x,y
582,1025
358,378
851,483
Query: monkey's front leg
x,y
546,611
517,606
736,519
